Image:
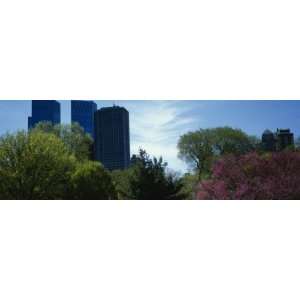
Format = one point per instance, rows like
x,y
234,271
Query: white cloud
x,y
156,127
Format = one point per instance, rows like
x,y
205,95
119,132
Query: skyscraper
x,y
112,145
44,110
268,140
83,112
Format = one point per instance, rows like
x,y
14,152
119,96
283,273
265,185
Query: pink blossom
x,y
254,176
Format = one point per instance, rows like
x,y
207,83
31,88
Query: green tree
x,y
190,182
227,140
91,181
201,148
121,182
148,179
34,165
195,148
73,136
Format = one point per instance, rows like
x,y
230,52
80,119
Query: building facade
x,y
44,110
83,112
285,138
112,141
268,141
277,141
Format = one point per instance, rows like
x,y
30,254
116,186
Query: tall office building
x,y
112,145
83,112
268,140
44,110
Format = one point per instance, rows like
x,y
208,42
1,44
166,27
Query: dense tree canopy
x,y
45,163
227,140
148,179
41,164
121,183
73,136
91,181
200,148
34,166
53,162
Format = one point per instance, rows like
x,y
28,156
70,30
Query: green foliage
x,y
227,140
121,183
195,148
73,136
34,166
41,165
255,143
53,162
190,182
148,179
91,181
201,148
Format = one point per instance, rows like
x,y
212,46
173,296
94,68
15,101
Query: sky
x,y
157,125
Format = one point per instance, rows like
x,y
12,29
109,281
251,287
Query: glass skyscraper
x,y
83,112
44,110
112,144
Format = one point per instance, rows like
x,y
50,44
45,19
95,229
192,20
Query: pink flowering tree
x,y
254,176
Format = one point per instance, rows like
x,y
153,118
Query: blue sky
x,y
157,125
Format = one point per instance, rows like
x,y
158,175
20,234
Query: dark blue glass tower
x,y
44,110
83,112
112,144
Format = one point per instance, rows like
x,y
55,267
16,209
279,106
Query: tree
x,y
254,176
121,183
201,148
190,182
74,137
148,179
227,140
34,165
195,148
91,181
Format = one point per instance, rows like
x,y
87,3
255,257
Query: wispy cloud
x,y
157,125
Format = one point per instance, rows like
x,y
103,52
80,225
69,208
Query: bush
x,y
253,176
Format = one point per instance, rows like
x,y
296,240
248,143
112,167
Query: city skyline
x,y
157,125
